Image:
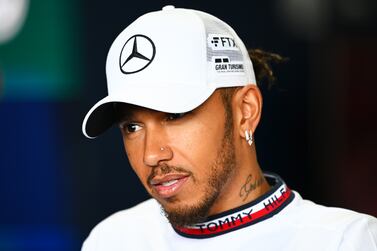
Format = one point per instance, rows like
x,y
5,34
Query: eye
x,y
130,127
175,116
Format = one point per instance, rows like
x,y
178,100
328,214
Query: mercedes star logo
x,y
137,53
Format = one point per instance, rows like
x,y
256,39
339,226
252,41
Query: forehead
x,y
128,111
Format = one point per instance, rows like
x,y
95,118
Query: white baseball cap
x,y
170,60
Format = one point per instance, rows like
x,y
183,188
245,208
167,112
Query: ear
x,y
248,108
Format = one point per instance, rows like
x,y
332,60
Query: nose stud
x,y
162,148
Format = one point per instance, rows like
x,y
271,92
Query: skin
x,y
191,145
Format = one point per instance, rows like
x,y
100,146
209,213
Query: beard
x,y
220,172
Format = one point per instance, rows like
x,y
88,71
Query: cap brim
x,y
182,99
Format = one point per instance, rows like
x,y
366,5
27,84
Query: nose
x,y
156,148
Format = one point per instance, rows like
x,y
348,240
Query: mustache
x,y
165,169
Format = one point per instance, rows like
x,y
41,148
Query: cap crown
x,y
177,47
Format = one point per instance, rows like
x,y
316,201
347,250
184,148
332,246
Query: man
x,y
183,92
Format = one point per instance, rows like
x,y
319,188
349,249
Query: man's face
x,y
183,160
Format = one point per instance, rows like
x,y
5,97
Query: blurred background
x,y
318,128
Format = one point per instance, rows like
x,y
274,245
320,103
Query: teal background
x,y
43,61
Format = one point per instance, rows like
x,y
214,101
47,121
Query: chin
x,y
175,203
182,212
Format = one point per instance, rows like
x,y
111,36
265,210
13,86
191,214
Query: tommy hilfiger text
x,y
246,215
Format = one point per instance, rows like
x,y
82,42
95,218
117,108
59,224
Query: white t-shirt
x,y
278,220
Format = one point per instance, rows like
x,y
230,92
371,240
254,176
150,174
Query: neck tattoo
x,y
249,186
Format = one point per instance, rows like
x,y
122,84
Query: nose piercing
x,y
162,148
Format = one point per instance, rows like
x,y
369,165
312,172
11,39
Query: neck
x,y
246,183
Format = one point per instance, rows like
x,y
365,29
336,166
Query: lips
x,y
168,185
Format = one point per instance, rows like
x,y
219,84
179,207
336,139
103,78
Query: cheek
x,y
134,153
197,145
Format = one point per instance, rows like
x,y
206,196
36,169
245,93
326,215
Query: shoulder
x,y
124,227
314,214
345,229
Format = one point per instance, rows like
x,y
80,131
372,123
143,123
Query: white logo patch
x,y
221,42
224,65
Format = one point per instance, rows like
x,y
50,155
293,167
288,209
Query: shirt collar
x,y
266,206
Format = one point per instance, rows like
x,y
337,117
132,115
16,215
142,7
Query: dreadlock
x,y
263,73
262,65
